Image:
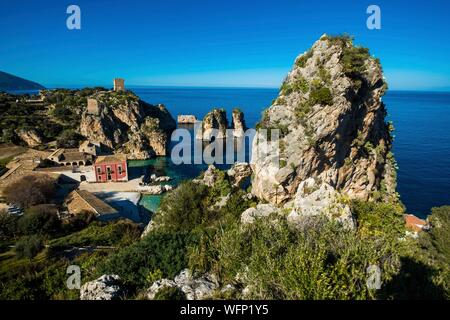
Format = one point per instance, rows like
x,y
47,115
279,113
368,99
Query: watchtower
x,y
119,84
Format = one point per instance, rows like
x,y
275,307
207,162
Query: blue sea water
x,y
422,133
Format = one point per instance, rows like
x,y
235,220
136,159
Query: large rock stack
x,y
331,119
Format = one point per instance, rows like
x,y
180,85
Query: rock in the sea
x,y
314,198
123,122
156,189
239,172
331,119
107,287
262,210
31,137
238,123
215,119
195,288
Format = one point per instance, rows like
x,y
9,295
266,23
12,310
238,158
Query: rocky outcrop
x,y
31,137
215,119
156,189
195,288
239,172
238,123
262,210
331,120
107,287
210,176
314,198
128,125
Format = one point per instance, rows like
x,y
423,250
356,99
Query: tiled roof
x,y
414,223
95,203
111,159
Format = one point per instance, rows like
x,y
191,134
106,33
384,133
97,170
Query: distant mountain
x,y
11,82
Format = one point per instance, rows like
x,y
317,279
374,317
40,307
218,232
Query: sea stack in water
x,y
215,119
332,123
238,123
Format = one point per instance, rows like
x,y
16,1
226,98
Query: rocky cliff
x,y
331,120
126,124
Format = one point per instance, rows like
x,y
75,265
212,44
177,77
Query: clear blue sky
x,y
215,42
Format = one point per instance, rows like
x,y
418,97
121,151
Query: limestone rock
x,y
210,176
262,210
148,228
215,119
126,124
104,288
238,123
195,288
30,137
239,172
156,189
332,125
314,198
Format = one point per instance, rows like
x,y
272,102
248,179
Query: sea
x,y
421,144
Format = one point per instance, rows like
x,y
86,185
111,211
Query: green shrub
x,y
170,293
320,95
69,139
8,226
301,61
320,261
184,208
379,218
29,246
41,219
117,234
157,251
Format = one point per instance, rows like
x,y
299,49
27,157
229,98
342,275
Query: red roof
x,y
414,223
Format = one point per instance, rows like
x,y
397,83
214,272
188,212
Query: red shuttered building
x,y
111,168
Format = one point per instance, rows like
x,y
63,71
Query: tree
x,y
30,190
8,225
29,246
41,219
69,139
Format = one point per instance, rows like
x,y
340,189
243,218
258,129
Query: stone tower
x,y
119,84
93,107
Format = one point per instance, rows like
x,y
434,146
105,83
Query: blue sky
x,y
215,42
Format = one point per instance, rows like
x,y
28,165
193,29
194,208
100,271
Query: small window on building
x,y
99,170
119,169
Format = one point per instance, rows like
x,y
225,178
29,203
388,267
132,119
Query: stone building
x,y
70,157
119,84
80,201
